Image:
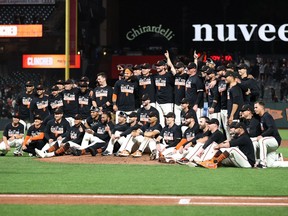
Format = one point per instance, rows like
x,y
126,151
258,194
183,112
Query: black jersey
x,y
200,135
149,128
102,95
234,96
253,127
179,88
34,132
195,91
183,114
70,102
92,122
126,92
85,103
190,133
10,130
76,134
147,86
268,127
164,88
39,106
55,102
172,135
245,145
142,114
100,132
22,106
55,129
217,137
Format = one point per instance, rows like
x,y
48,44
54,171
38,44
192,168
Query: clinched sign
x,y
47,61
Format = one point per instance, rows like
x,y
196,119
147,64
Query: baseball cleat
x,y
40,153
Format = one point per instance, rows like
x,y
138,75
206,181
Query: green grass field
x,y
29,175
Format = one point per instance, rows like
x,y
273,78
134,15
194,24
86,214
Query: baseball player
x,y
55,99
22,105
170,135
35,137
55,131
195,89
269,140
146,108
84,100
238,152
234,97
102,97
94,117
164,82
12,137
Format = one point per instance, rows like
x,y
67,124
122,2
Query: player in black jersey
x,y
143,112
94,117
84,100
55,99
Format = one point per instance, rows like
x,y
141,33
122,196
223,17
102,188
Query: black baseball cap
x,y
191,65
94,109
242,66
170,115
37,117
132,114
160,63
220,68
29,84
16,115
54,88
60,82
153,114
85,84
137,67
184,101
189,115
247,107
231,65
40,87
230,73
213,121
69,81
84,79
209,61
146,66
240,125
58,111
210,71
204,68
179,65
78,117
145,97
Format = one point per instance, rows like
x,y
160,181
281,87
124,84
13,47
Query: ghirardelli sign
x,y
135,32
227,32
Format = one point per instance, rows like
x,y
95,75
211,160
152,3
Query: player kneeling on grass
x,y
12,136
238,152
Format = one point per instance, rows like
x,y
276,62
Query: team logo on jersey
x,y
222,86
69,97
160,82
26,101
180,81
57,130
73,135
83,100
144,117
42,104
100,130
127,89
35,133
101,93
57,103
168,136
145,81
13,132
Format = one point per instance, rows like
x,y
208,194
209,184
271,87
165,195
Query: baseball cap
x,y
128,69
204,68
242,66
54,88
210,71
213,121
137,67
94,109
40,87
170,115
145,97
184,101
152,114
160,63
230,73
179,65
60,82
16,115
247,107
69,81
191,65
220,68
232,125
231,65
240,125
132,114
78,117
29,84
37,117
83,84
58,111
122,114
189,115
84,79
146,66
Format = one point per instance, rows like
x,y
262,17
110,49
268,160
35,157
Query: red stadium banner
x,y
32,30
47,61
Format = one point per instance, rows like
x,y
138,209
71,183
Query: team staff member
x,y
22,106
12,136
35,137
164,82
195,89
234,98
124,93
102,96
269,140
